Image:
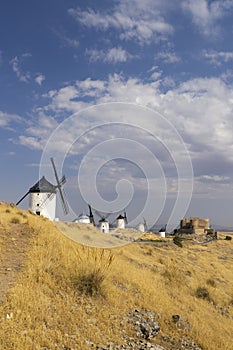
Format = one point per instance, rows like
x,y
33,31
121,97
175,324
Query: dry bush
x,y
202,293
211,282
92,272
15,220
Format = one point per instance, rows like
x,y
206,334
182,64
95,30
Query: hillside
x,y
58,294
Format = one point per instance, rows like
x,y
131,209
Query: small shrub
x,y
8,211
178,241
15,220
89,283
22,214
228,238
202,293
89,280
211,282
149,251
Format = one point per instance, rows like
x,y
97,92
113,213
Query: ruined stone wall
x,y
194,225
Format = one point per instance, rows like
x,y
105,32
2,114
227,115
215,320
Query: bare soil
x,y
15,242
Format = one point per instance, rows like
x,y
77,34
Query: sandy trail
x,y
15,242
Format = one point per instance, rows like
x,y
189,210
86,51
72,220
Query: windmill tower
x,y
121,221
104,225
162,231
42,196
103,222
143,226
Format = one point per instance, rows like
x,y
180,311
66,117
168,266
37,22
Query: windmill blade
x,y
107,215
145,224
113,222
62,181
22,198
102,215
91,216
125,217
99,214
50,196
64,204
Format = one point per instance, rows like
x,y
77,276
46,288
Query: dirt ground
x,y
15,242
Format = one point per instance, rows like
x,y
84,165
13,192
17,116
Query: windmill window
x,y
38,204
37,212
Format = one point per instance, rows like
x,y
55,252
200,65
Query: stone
x,y
145,324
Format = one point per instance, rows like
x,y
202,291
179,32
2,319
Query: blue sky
x,y
175,57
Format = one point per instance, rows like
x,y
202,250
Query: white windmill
x,y
143,226
103,222
42,196
121,221
162,231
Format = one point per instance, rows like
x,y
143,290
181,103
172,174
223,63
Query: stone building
x,y
194,225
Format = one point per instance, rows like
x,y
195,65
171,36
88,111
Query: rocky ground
x,y
147,334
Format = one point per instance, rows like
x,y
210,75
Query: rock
x,y
144,323
181,322
189,344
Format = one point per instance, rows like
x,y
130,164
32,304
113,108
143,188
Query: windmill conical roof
x,y
43,185
120,217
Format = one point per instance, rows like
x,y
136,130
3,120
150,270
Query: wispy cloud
x,y
16,64
206,15
39,79
66,40
217,58
167,57
7,119
113,55
140,21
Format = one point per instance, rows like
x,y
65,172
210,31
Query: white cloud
x,y
206,15
141,21
215,178
217,58
167,57
66,41
7,119
113,55
39,79
37,134
16,64
71,42
200,109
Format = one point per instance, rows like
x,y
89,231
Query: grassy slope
x,y
48,311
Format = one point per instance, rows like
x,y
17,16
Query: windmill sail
x,y
125,217
59,185
91,216
22,198
145,224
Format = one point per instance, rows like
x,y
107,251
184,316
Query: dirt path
x,y
15,243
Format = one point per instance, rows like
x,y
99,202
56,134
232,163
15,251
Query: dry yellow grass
x,y
91,236
47,310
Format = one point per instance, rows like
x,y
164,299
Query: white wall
x,y
104,227
121,223
44,203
